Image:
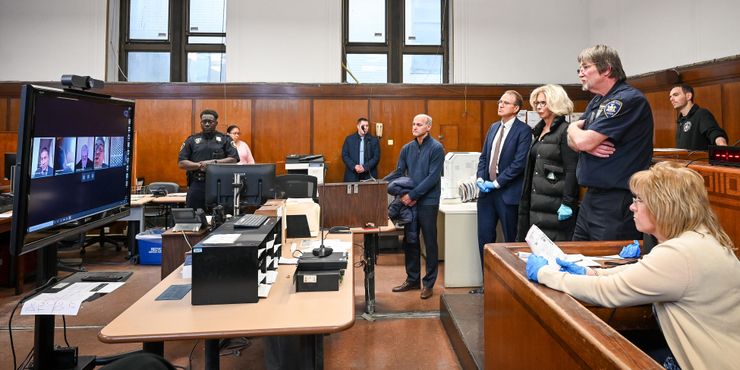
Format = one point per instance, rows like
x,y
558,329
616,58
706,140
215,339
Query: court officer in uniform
x,y
614,138
198,151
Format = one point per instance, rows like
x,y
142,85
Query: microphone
x,y
322,251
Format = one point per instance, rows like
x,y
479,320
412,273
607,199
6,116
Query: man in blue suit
x,y
360,153
501,173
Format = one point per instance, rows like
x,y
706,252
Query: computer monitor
x,y
64,185
256,187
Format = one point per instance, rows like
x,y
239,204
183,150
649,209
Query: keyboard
x,y
250,221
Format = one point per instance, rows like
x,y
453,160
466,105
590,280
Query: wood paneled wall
x,y
281,119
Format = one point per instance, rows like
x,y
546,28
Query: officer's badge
x,y
197,140
612,108
218,138
687,126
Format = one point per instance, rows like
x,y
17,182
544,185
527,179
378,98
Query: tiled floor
x,y
412,338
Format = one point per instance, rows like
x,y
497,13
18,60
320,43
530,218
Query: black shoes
x,y
426,293
406,286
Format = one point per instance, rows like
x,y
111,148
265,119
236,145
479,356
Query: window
x,y
177,41
395,41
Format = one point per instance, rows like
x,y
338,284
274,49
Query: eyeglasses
x,y
538,103
636,199
583,68
237,133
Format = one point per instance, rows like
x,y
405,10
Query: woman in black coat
x,y
550,193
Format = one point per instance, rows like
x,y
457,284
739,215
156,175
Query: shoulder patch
x,y
612,108
197,140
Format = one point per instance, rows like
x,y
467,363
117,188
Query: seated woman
x,y
692,277
550,193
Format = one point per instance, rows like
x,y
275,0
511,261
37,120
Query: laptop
x,y
186,219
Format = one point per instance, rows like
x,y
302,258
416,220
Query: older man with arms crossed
x,y
614,138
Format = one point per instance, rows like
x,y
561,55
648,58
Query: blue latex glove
x,y
534,264
570,267
481,185
489,185
631,250
564,212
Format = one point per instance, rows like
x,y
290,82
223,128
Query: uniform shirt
x,y
200,147
423,164
694,286
624,116
697,130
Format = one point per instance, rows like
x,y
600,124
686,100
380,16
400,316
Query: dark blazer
x,y
512,159
351,157
89,165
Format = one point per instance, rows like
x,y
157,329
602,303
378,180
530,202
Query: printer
x,y
306,164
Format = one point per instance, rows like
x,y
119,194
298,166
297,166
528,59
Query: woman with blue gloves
x,y
550,193
692,277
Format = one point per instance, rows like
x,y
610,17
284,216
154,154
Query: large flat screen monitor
x,y
73,167
257,186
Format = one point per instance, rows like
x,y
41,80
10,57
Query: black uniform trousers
x,y
426,216
605,215
196,197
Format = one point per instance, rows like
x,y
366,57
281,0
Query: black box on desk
x,y
224,274
334,261
317,281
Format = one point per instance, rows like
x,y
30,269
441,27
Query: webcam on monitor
x,y
81,82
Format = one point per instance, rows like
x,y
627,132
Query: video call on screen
x,y
78,158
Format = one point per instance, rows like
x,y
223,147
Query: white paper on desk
x,y
271,276
64,302
109,287
542,246
222,239
8,214
288,261
263,290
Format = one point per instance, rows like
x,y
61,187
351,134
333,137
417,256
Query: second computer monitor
x,y
257,186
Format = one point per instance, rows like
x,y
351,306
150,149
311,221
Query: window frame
x,y
176,45
394,46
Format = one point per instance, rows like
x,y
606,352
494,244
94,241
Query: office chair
x,y
156,211
296,186
117,240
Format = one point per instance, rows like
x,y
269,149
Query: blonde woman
x,y
692,277
550,193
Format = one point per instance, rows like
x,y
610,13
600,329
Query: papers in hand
x,y
542,246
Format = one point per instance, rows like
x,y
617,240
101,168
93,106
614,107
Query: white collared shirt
x,y
507,128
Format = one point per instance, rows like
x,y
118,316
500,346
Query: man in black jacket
x,y
697,128
360,153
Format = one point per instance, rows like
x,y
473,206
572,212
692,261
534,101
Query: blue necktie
x,y
362,151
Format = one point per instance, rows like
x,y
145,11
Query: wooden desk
x,y
354,204
284,312
174,248
371,237
528,325
723,186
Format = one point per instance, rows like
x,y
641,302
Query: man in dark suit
x,y
43,169
84,164
501,172
360,153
